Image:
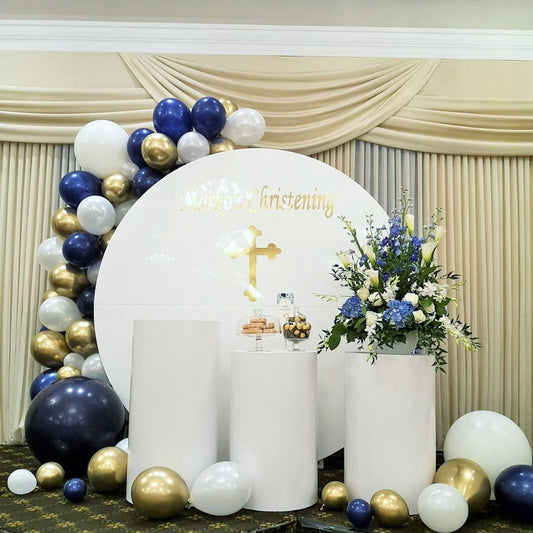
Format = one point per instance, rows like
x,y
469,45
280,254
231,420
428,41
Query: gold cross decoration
x,y
271,251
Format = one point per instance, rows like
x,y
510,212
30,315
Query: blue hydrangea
x,y
416,244
352,308
398,313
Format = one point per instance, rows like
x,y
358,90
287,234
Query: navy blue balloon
x,y
41,381
144,179
75,489
81,249
71,419
172,118
85,301
135,141
77,185
208,116
359,513
513,490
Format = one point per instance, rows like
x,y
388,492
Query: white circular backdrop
x,y
185,252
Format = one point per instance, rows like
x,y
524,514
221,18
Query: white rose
x,y
375,299
412,298
419,316
430,308
363,294
371,318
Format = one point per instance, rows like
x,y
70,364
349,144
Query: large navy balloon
x,y
513,490
77,185
81,249
85,301
144,179
42,380
208,116
134,146
71,419
172,118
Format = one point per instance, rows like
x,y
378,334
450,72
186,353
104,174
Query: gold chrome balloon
x,y
116,188
229,106
68,372
159,492
67,280
49,348
50,475
469,479
81,338
389,508
107,469
159,151
48,294
221,144
105,238
65,222
335,496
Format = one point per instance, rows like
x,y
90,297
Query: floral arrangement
x,y
395,289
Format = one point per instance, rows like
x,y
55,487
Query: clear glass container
x,y
257,326
295,329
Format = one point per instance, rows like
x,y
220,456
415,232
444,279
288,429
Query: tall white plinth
x,y
173,400
273,426
390,425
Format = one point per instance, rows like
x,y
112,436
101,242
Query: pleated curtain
x,y
366,117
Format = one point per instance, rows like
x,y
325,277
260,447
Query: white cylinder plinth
x,y
273,426
390,440
173,399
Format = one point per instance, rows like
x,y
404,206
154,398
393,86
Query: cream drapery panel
x,y
28,197
486,204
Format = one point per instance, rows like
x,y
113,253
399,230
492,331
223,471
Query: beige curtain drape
x,y
28,198
313,105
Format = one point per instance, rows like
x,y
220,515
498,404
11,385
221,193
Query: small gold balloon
x,y
106,237
469,479
65,222
221,144
389,508
159,151
107,469
67,372
50,475
159,492
229,106
48,294
67,280
116,188
335,496
80,337
49,348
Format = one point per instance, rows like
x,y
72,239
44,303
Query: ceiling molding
x,y
248,39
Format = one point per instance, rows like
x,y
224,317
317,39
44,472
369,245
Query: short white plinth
x,y
390,425
173,403
273,429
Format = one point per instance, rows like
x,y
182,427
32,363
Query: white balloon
x,y
58,313
50,253
96,214
221,489
92,272
490,439
101,148
123,445
129,170
122,209
191,146
245,126
93,368
442,508
21,481
75,360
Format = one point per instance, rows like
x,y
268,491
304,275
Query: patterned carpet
x,y
48,511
